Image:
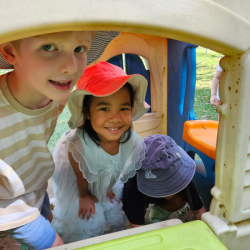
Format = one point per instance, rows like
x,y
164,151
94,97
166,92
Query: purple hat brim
x,y
171,184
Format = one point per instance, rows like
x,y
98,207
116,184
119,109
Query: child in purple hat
x,y
165,179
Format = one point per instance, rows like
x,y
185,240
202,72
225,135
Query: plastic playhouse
x,y
201,137
167,33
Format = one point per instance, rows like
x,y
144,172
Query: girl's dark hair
x,y
87,127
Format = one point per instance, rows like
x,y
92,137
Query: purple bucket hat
x,y
167,168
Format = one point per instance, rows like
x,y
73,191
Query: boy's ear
x,y
8,52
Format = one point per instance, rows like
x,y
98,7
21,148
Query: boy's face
x,y
51,67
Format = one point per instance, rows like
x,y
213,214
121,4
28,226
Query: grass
x,y
4,71
206,67
61,127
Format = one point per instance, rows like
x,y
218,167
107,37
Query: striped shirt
x,y
25,161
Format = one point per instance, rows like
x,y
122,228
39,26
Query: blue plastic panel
x,y
181,87
134,65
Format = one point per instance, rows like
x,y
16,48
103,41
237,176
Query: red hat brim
x,y
108,87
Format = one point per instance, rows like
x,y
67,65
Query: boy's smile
x,y
61,85
48,68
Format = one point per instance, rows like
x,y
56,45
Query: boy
x,y
46,68
165,179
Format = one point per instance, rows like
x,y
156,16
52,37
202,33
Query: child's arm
x,y
111,196
86,200
198,213
214,87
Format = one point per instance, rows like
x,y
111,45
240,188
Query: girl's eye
x,y
104,109
79,49
48,47
124,109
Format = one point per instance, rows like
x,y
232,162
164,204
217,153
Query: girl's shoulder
x,y
72,135
78,140
132,154
131,147
134,139
71,140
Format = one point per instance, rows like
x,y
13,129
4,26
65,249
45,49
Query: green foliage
x,y
61,127
206,66
4,71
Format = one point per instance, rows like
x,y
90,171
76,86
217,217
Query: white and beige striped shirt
x,y
25,161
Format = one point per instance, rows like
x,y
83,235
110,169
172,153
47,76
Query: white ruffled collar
x,y
94,161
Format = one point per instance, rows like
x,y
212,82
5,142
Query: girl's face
x,y
110,116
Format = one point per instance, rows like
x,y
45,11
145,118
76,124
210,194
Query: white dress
x,y
103,173
218,68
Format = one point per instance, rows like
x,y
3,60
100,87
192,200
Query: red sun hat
x,y
104,79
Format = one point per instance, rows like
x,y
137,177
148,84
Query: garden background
x,y
206,66
206,62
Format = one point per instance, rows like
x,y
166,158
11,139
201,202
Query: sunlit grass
x,y
61,127
206,66
4,71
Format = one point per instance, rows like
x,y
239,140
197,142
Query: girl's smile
x,y
114,130
110,116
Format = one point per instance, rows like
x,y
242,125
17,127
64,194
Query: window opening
x,y
134,64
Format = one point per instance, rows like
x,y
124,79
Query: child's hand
x,y
111,195
87,205
213,100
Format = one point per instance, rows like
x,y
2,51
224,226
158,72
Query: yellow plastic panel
x,y
201,22
240,7
232,190
229,215
119,235
194,235
233,236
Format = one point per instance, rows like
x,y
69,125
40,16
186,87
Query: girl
x,y
215,98
102,151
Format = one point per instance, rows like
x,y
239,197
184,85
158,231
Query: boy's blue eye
x,y
79,49
48,47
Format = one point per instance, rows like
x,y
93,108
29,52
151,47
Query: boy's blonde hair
x,y
59,36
